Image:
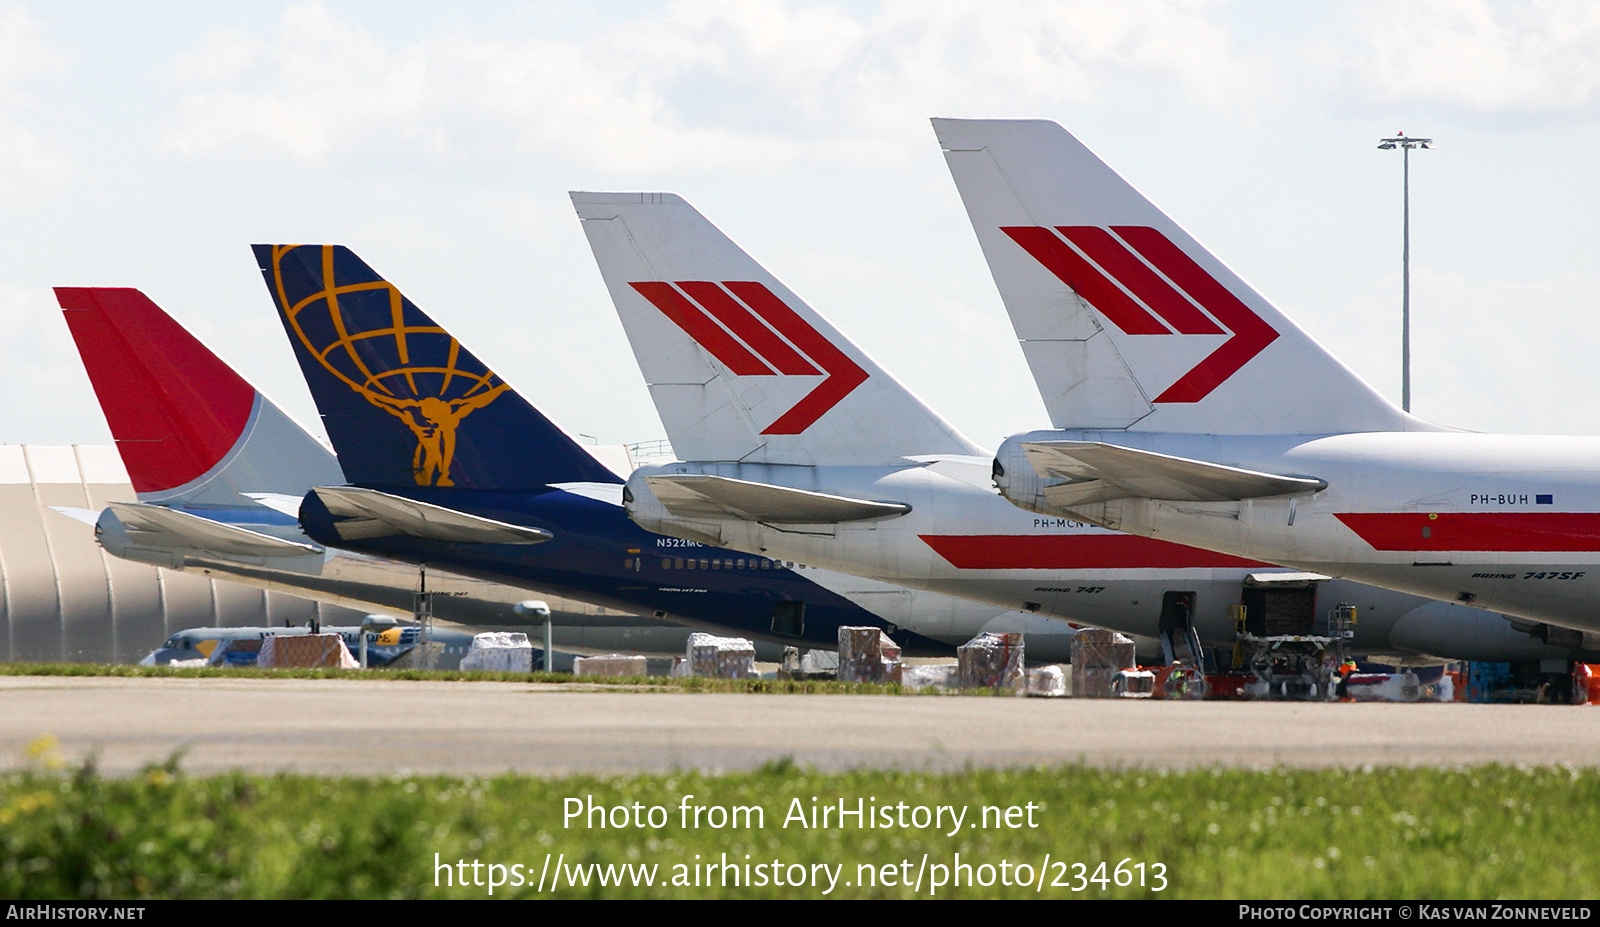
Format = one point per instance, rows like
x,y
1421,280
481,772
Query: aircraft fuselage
x,y
1503,522
962,539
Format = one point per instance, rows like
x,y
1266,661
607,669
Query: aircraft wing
x,y
161,527
373,514
702,496
1101,472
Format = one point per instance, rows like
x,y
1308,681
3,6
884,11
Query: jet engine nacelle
x,y
649,513
1473,634
114,537
1016,478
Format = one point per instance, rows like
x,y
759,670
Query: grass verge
x,y
1480,832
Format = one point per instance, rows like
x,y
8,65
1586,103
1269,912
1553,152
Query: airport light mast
x,y
1405,144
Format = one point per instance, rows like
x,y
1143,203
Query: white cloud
x,y
716,84
25,50
43,373
29,152
1476,366
1479,55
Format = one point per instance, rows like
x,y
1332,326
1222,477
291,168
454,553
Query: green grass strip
x,y
1389,833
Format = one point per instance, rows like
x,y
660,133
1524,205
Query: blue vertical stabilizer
x,y
403,402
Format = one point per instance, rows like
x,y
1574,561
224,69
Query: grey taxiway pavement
x,y
382,727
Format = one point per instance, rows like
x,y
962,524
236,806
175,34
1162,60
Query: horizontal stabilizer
x,y
160,527
87,516
700,496
1285,578
373,514
1101,472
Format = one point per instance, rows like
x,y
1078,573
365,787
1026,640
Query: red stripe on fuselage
x,y
1491,531
1073,552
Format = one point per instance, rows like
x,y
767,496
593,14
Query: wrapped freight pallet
x,y
499,652
929,676
991,661
1047,682
1134,683
720,657
610,665
813,664
307,650
867,655
820,664
1098,656
235,653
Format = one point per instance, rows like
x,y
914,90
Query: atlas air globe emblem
x,y
417,373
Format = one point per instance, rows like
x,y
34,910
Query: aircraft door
x,y
1281,605
789,617
1179,642
1177,611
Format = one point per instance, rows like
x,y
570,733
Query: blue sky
x,y
148,145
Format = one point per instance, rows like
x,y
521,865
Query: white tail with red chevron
x,y
1126,321
740,368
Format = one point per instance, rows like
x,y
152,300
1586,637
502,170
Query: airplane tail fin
x,y
1128,322
740,368
404,403
190,429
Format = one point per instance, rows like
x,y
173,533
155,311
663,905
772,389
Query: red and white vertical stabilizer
x,y
1127,321
1189,409
740,368
191,431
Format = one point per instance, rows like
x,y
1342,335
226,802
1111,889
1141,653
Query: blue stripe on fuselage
x,y
598,555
